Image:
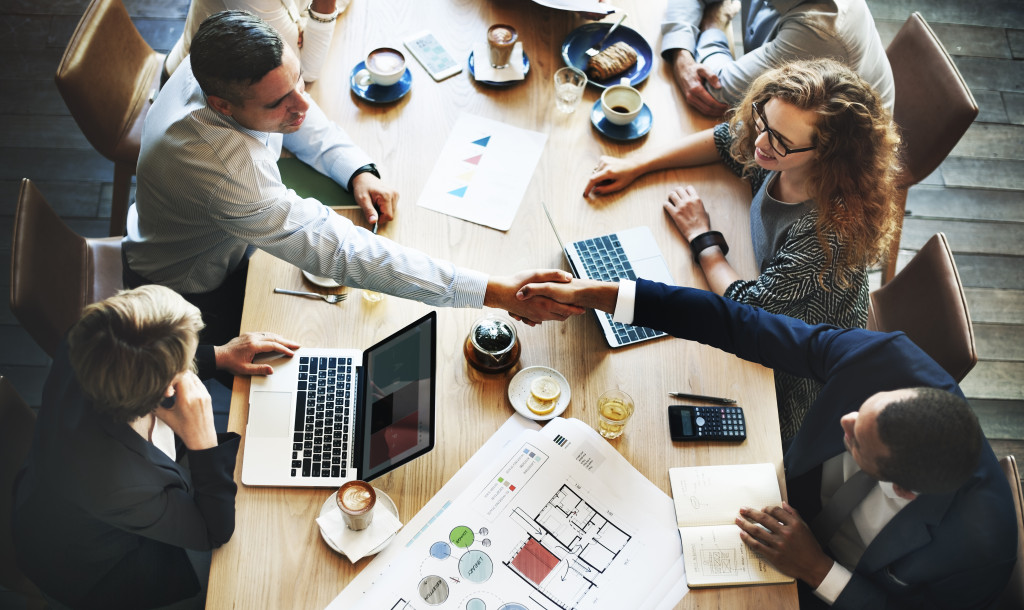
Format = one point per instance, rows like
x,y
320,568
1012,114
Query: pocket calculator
x,y
435,59
693,423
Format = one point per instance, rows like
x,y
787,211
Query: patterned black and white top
x,y
210,193
789,285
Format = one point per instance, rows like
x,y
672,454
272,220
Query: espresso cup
x,y
501,39
356,500
621,103
384,67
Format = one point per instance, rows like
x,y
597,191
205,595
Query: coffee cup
x,y
356,500
621,103
501,39
384,67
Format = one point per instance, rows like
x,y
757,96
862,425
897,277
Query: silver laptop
x,y
621,255
327,416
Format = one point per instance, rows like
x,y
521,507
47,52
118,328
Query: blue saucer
x,y
575,45
508,83
376,93
637,129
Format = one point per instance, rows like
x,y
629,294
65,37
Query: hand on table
x,y
687,211
611,174
502,291
377,200
191,417
785,541
691,78
236,355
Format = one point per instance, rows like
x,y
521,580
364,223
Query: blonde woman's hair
x,y
127,349
853,178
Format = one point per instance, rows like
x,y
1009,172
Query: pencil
x,y
714,399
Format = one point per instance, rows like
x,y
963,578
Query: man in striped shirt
x,y
210,193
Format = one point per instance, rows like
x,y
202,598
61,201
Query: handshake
x,y
548,294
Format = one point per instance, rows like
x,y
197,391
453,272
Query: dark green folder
x,y
307,182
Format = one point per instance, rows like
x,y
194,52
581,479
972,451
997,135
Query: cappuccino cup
x,y
621,103
501,39
356,500
384,67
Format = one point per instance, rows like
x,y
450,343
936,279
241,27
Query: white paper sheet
x,y
583,6
554,518
482,172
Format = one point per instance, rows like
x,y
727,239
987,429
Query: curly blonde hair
x,y
854,176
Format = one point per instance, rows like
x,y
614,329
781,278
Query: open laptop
x,y
327,416
623,255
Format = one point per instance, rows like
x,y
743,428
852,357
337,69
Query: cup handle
x,y
363,78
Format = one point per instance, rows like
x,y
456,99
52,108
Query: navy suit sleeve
x,y
206,361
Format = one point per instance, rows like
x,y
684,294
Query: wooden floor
x,y
976,197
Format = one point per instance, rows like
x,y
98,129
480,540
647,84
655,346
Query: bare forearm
x,y
694,149
717,270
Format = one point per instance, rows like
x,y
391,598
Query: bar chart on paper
x,y
482,172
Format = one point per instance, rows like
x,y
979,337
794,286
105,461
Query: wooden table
x,y
276,558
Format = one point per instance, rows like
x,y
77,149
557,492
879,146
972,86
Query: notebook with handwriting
x,y
707,501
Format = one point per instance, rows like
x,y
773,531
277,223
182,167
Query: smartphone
x,y
437,61
693,423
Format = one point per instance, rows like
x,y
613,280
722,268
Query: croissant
x,y
614,60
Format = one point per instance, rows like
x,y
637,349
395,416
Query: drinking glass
x,y
569,85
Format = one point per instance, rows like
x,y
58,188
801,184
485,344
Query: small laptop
x,y
327,416
623,255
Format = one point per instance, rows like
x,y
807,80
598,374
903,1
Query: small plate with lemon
x,y
539,393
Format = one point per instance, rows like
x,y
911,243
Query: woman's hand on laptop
x,y
236,356
501,293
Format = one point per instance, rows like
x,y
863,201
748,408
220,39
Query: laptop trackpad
x,y
270,414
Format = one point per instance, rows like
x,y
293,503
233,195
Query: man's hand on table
x,y
501,293
377,199
586,294
785,541
691,78
236,355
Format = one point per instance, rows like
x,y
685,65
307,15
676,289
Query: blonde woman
x,y
820,152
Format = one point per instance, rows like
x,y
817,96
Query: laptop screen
x,y
397,418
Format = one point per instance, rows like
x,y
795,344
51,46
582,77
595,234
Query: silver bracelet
x,y
316,16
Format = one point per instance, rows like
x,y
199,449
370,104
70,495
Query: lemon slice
x,y
540,407
545,389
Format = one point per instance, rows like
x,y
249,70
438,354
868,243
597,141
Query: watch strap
x,y
706,240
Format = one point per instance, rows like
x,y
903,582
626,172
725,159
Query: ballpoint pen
x,y
714,399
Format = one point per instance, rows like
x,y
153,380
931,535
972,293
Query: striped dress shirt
x,y
209,194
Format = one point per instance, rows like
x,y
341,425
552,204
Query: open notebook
x,y
307,182
707,500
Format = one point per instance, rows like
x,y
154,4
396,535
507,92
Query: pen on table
x,y
714,399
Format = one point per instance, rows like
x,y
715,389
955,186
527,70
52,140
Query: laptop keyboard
x,y
323,408
604,259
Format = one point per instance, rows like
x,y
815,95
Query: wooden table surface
x,y
276,558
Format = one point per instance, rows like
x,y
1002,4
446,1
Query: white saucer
x,y
323,282
519,390
384,500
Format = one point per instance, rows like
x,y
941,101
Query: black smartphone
x,y
167,402
693,423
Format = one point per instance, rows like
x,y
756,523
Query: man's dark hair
x,y
934,441
233,50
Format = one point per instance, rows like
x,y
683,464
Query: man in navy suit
x,y
901,501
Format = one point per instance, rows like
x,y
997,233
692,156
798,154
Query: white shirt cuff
x,y
625,302
833,584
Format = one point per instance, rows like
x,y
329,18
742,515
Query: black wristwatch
x,y
369,167
705,241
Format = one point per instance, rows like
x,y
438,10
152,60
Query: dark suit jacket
x,y
102,517
951,550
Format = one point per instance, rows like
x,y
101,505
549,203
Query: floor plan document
x,y
556,519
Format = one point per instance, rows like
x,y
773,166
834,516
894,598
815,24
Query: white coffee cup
x,y
384,67
621,103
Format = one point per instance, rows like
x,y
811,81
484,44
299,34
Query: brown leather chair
x,y
933,109
1013,596
56,272
108,77
926,301
16,423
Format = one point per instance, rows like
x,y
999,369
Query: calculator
x,y
435,59
693,423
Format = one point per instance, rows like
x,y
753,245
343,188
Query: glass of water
x,y
569,85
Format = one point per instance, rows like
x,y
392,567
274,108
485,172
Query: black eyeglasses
x,y
774,139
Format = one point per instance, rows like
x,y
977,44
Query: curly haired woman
x,y
820,151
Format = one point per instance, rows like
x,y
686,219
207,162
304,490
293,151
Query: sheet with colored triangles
x,y
482,171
